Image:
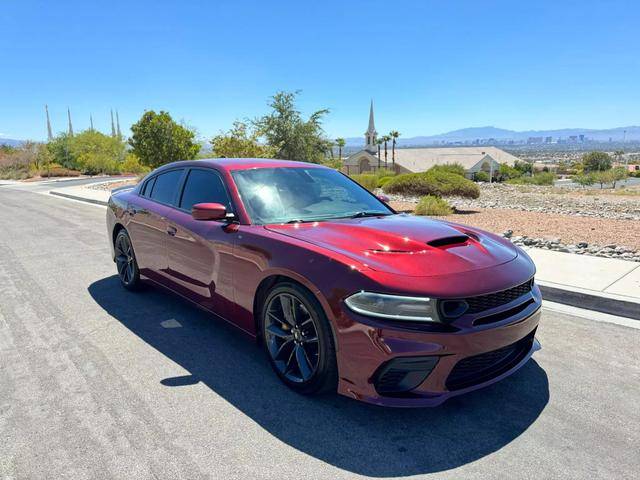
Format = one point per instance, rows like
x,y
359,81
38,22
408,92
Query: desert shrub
x,y
543,178
367,180
58,171
384,172
431,205
450,167
482,176
131,164
382,181
438,182
505,172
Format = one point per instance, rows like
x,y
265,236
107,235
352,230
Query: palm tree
x,y
340,142
618,154
379,143
385,139
394,134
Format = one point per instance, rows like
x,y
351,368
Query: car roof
x,y
241,163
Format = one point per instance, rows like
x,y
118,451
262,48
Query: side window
x,y
165,187
203,186
147,187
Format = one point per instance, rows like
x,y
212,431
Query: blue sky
x,y
430,67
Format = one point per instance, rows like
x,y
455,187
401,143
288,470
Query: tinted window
x,y
166,186
147,187
203,187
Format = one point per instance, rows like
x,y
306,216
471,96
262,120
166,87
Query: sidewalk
x,y
603,284
84,194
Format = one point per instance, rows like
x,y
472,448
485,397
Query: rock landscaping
x,y
580,248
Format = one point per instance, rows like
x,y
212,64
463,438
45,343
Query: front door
x,y
200,253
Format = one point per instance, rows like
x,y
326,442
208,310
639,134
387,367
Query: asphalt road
x,y
97,382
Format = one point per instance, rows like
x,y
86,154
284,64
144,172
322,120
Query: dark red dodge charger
x,y
343,292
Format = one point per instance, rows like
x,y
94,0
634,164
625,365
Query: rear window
x,y
203,187
165,187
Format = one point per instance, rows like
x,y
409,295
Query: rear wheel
x,y
126,264
298,340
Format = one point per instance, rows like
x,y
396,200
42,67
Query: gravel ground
x,y
569,229
111,185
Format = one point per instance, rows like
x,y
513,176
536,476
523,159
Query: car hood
x,y
405,244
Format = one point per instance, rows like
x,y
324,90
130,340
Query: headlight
x,y
394,307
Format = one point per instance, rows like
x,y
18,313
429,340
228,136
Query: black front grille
x,y
481,368
493,300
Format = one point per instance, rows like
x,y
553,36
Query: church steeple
x,y
371,135
70,126
119,133
113,127
49,134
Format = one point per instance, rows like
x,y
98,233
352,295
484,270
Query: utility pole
x,y
91,121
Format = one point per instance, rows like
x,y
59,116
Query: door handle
x,y
172,230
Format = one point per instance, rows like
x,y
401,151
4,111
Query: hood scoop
x,y
448,241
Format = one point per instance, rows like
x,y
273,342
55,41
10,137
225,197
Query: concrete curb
x,y
78,197
591,301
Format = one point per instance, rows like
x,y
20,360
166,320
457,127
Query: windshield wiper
x,y
368,214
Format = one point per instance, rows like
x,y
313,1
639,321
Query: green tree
x,y
618,174
157,140
385,139
240,142
293,137
584,180
59,148
394,134
525,168
602,177
379,144
506,172
340,142
596,161
93,152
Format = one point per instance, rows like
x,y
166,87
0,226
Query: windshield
x,y
292,194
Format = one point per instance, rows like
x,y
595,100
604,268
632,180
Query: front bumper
x,y
366,348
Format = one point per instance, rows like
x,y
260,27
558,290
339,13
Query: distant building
x,y
548,139
413,160
534,140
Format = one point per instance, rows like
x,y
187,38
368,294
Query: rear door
x,y
148,223
201,252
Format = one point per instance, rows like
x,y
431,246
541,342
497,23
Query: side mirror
x,y
383,198
208,211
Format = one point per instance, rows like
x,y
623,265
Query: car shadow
x,y
353,436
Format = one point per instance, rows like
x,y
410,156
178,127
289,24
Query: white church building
x,y
414,160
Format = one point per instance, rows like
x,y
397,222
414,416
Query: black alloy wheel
x,y
126,261
298,340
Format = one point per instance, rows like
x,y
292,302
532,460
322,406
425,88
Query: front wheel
x,y
297,338
128,271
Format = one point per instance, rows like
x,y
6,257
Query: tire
x,y
126,264
304,365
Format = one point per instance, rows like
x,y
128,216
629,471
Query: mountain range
x,y
484,133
